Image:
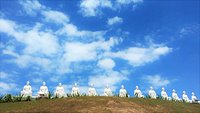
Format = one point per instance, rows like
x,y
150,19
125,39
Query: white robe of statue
x,y
27,90
164,94
43,91
185,97
152,93
194,98
92,91
107,91
75,90
60,92
122,92
138,93
175,96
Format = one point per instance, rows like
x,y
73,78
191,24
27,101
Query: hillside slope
x,y
99,104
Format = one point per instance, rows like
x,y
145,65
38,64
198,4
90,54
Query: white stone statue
x,y
175,96
164,94
138,93
27,90
185,97
60,92
122,92
43,92
152,93
75,90
92,91
107,91
194,98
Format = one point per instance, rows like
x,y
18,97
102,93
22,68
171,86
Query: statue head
x,y
60,84
184,92
193,94
27,83
75,84
91,85
137,87
122,86
44,83
173,90
163,89
151,88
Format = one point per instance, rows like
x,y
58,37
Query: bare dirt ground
x,y
98,105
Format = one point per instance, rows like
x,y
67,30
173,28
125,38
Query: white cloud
x,y
7,87
76,51
31,6
7,26
95,7
55,16
124,2
114,20
71,30
24,60
156,80
106,63
92,7
138,56
46,42
83,52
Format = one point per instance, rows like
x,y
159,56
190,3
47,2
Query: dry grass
x,y
98,105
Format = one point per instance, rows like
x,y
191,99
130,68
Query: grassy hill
x,y
98,104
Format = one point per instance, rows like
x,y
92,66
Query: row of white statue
x,y
59,92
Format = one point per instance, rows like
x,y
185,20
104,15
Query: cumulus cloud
x,y
7,87
123,2
106,63
156,80
24,60
45,41
68,29
114,20
76,51
95,7
71,30
138,56
55,16
92,7
31,6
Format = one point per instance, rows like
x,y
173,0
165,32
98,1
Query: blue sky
x,y
129,42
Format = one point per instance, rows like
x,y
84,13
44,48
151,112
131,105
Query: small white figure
x,y
75,90
92,91
27,90
138,93
122,92
185,97
194,98
152,93
164,94
175,96
107,91
60,92
43,92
